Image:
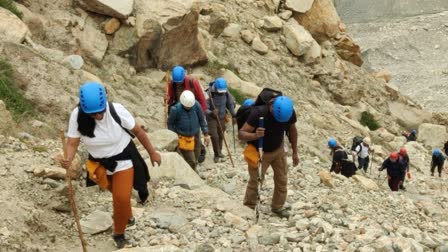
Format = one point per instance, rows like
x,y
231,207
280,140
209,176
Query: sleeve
x,y
201,118
230,104
358,148
172,119
252,120
73,125
199,95
293,117
127,120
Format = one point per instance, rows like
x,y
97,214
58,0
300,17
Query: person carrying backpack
x,y
279,118
362,151
340,163
395,171
437,160
111,150
180,82
404,157
222,100
186,119
412,136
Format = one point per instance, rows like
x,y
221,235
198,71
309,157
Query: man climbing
x,y
186,119
279,118
437,160
180,82
395,170
412,136
404,157
340,163
216,110
362,151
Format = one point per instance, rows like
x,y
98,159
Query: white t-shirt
x,y
110,139
362,150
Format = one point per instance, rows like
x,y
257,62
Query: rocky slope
x,y
253,47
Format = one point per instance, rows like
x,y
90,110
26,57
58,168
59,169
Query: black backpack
x,y
357,140
262,99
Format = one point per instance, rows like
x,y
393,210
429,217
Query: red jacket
x,y
197,91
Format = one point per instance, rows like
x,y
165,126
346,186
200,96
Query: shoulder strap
x,y
117,119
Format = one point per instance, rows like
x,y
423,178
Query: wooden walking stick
x,y
168,81
71,197
220,128
259,172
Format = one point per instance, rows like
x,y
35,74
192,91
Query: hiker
x,y
222,100
340,163
412,136
362,151
186,119
395,170
437,160
445,148
244,108
104,129
180,82
279,118
404,157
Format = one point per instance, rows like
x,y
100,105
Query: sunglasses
x,y
97,113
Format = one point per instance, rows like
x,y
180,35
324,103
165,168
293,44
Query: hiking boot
x,y
120,241
287,206
201,157
131,222
282,212
432,174
402,187
220,155
216,159
440,175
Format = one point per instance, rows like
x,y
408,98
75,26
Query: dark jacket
x,y
405,159
394,169
187,122
222,102
437,160
339,154
412,137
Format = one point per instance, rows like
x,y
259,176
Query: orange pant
x,y
121,188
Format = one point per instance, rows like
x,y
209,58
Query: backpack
x,y
117,119
357,140
263,98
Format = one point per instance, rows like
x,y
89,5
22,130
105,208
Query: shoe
x,y
131,222
402,187
221,155
120,241
432,174
201,157
287,206
216,159
282,212
440,175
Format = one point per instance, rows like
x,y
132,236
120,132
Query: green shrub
x,y
239,97
368,120
10,94
11,6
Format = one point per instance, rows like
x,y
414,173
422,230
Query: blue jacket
x,y
222,101
187,122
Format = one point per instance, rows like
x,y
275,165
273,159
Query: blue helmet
x,y
178,74
92,97
220,85
248,102
414,131
332,142
282,108
436,152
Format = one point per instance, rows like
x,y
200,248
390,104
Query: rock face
x,y
322,20
7,121
298,40
408,117
366,183
432,135
301,6
245,87
348,50
92,43
12,29
178,43
272,23
114,8
164,140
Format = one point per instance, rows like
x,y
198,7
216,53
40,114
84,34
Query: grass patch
x,y
368,120
40,148
239,97
11,6
10,94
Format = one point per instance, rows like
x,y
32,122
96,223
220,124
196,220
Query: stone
x,y
287,14
366,183
322,20
50,172
77,165
96,222
87,76
348,50
218,22
247,36
92,43
157,248
432,135
12,29
259,46
245,87
325,178
407,116
114,8
298,40
204,248
74,61
314,53
232,31
236,221
35,22
164,140
165,218
111,26
266,237
7,122
174,166
159,26
252,236
272,23
301,6
384,74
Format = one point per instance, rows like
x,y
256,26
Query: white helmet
x,y
187,99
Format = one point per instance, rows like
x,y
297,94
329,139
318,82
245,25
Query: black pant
x,y
363,163
439,168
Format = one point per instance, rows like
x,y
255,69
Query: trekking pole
x,y
233,133
167,79
260,170
71,197
371,162
220,127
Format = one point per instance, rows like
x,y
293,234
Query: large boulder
x,y
432,135
366,183
322,20
407,116
96,222
12,29
164,140
298,39
114,8
348,49
245,87
34,21
92,42
7,122
301,6
168,35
